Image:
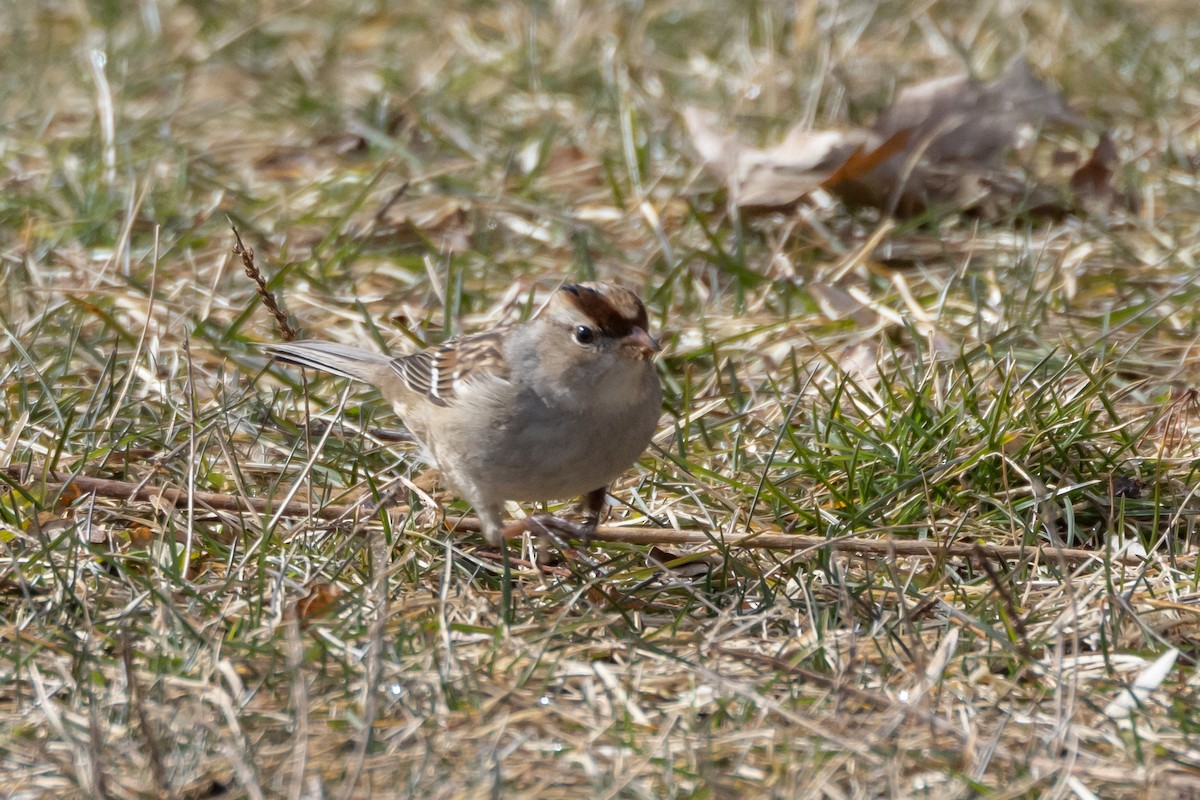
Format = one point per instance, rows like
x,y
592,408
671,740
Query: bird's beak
x,y
639,344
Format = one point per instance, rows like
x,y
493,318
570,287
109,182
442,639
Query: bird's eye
x,y
584,334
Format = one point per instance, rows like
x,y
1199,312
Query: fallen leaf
x,y
774,176
959,129
570,167
428,480
318,602
940,144
862,163
47,522
433,218
140,536
67,495
97,534
958,118
691,565
1092,184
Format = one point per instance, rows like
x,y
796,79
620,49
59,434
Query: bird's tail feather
x,y
337,359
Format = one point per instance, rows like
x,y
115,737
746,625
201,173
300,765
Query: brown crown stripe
x,y
614,316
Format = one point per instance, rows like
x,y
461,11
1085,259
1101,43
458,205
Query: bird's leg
x,y
494,529
543,523
592,506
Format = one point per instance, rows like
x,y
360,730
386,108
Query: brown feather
x,y
617,313
439,370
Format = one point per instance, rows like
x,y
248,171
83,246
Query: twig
x,y
125,490
845,544
387,205
266,295
637,536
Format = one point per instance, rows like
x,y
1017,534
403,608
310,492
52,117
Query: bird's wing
x,y
441,372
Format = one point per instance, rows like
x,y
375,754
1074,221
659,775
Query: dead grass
x,y
1007,381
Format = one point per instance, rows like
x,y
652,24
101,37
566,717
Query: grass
x,y
407,174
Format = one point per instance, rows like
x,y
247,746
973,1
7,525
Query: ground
x,y
977,426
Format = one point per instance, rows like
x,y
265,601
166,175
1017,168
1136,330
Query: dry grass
x,y
407,174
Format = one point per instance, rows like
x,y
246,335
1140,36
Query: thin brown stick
x,y
842,544
266,295
387,205
137,492
637,536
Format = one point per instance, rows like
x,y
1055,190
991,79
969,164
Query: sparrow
x,y
552,408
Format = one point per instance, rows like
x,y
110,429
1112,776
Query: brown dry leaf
x,y
958,118
773,176
318,602
203,564
680,565
570,167
47,522
1092,184
939,144
959,129
140,536
862,163
437,218
69,494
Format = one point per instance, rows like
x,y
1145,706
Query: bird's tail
x,y
337,359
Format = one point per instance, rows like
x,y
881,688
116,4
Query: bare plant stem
x,y
266,295
772,541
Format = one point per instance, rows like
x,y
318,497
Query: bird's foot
x,y
549,525
591,507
